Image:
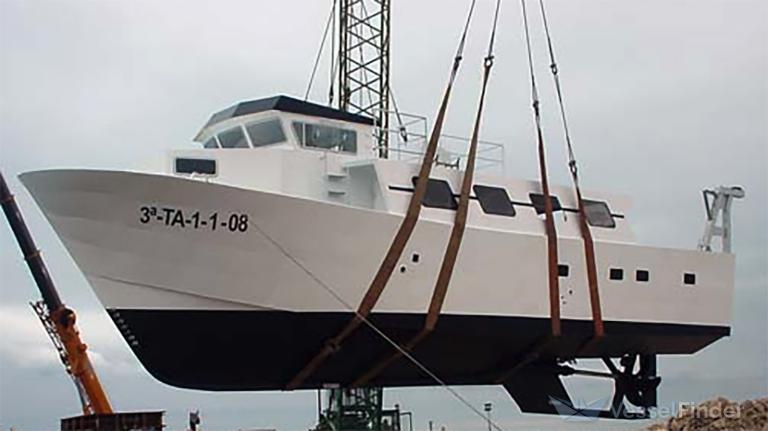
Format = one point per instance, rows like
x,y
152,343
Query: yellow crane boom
x,y
58,320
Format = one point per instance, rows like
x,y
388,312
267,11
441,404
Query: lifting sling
x,y
589,248
457,232
549,221
403,234
542,343
586,234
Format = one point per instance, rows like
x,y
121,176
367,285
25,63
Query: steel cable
x,y
404,232
373,327
589,247
320,51
549,222
457,232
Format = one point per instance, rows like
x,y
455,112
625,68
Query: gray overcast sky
x,y
664,98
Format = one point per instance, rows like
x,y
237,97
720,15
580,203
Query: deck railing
x,y
407,141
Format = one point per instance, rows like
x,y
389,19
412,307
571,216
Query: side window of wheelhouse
x,y
326,137
598,214
494,200
265,132
439,194
233,138
538,201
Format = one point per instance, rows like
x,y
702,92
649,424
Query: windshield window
x,y
326,137
265,132
211,143
233,138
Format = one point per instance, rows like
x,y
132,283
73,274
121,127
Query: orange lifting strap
x,y
549,222
457,233
551,231
586,234
549,225
589,249
403,234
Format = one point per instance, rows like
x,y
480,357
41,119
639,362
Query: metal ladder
x,y
336,178
50,328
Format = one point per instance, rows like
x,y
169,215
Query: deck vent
x,y
689,278
563,270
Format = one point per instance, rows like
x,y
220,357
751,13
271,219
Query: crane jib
x,y
29,249
58,320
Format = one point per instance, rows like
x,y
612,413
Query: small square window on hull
x,y
643,275
616,274
439,194
494,200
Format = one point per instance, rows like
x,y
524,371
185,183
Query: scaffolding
x,y
358,409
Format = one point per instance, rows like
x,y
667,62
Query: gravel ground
x,y
720,415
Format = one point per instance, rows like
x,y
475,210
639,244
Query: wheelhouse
x,y
288,123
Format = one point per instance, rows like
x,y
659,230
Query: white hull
x,y
145,266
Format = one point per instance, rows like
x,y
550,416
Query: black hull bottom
x,y
263,350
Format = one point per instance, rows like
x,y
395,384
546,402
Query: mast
x,y
363,62
363,88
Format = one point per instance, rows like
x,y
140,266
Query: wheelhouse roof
x,y
285,104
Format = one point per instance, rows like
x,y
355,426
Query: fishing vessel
x,y
250,263
197,265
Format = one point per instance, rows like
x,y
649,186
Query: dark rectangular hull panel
x,y
263,350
